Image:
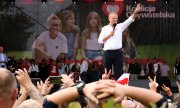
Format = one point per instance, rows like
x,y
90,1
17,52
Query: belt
x,y
93,50
113,50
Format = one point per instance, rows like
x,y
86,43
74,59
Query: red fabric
x,y
53,70
25,66
124,81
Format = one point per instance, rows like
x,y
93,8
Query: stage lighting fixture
x,y
105,1
166,1
12,1
43,1
135,1
74,1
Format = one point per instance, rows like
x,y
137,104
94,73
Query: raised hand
x,y
106,75
23,77
40,86
46,87
152,84
167,90
136,11
138,8
90,91
67,80
110,87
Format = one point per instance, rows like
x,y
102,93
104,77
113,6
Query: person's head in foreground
x,y
8,88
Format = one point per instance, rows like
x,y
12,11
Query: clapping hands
x,y
23,78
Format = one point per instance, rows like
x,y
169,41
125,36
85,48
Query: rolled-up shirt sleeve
x,y
126,23
101,36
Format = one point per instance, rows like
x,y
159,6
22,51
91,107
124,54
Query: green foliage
x,y
74,105
153,105
14,27
169,52
111,104
20,54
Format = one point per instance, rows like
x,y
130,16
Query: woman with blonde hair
x,y
50,43
71,31
128,46
90,48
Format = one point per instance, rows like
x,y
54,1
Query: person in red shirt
x,y
53,70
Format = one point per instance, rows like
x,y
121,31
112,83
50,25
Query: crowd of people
x,y
90,81
94,89
137,70
93,75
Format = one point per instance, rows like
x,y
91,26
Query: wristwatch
x,y
80,87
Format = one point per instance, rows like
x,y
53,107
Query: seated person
x,y
50,44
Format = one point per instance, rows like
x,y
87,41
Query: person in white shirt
x,y
111,37
33,69
50,44
3,58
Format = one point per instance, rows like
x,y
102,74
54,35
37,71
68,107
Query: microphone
x,y
114,25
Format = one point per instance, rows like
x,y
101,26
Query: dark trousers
x,y
114,58
33,74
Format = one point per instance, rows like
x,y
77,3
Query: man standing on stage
x,y
111,37
3,58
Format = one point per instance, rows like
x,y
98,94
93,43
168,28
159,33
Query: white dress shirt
x,y
114,42
33,68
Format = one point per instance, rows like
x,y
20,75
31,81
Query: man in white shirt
x,y
111,37
3,58
33,69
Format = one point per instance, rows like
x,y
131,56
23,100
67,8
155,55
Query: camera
x,y
55,79
76,76
35,80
